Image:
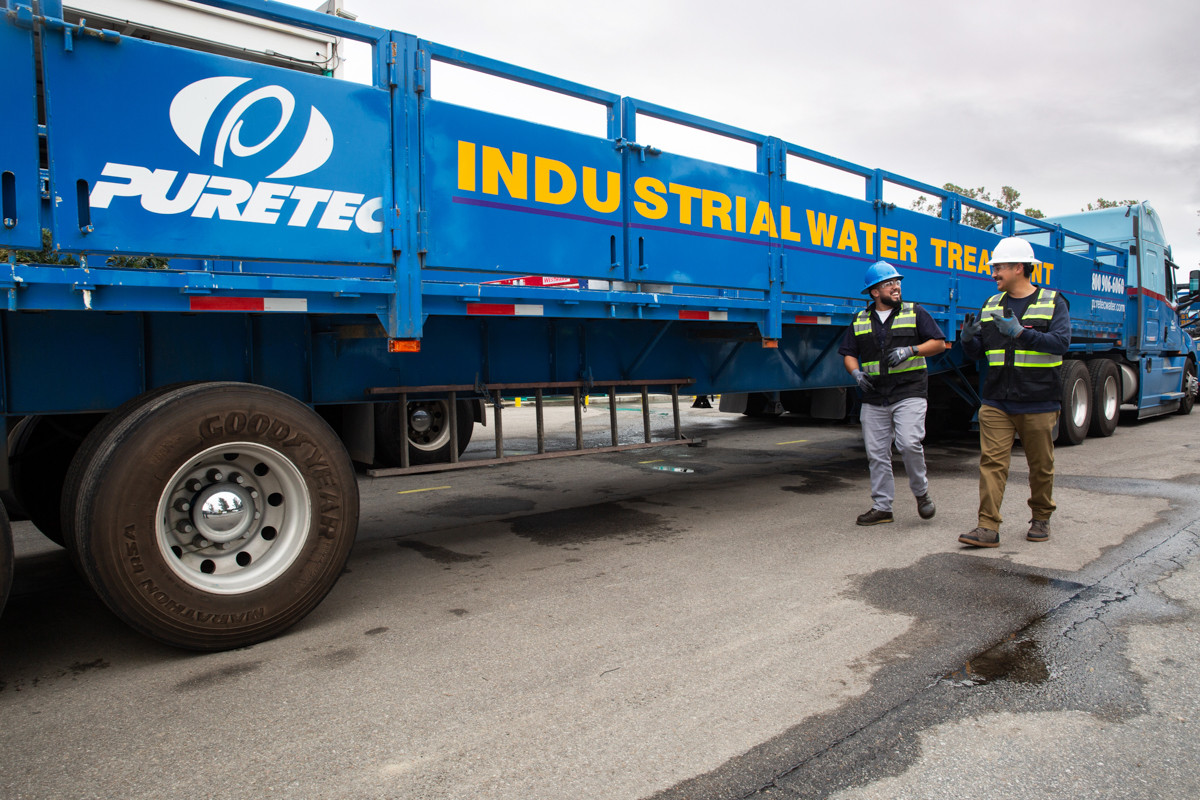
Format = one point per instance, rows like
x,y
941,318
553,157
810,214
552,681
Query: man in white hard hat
x,y
1024,332
885,350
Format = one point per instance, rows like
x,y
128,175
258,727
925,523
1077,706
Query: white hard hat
x,y
1013,250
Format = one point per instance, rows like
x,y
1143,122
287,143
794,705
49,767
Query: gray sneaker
x,y
925,507
981,537
1039,530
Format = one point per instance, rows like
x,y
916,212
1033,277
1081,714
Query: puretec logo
x,y
194,105
191,115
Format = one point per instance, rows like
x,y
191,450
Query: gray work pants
x,y
904,423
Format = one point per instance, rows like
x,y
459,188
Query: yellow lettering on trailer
x,y
611,201
739,213
984,258
1040,270
686,195
868,230
764,220
821,228
785,225
496,169
969,257
887,243
466,166
715,206
908,247
954,255
849,238
652,205
938,246
543,168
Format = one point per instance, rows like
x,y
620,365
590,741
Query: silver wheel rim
x,y
1079,404
233,518
428,424
1109,397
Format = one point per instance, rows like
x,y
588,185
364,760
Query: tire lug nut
x,y
238,478
182,506
183,526
194,485
215,476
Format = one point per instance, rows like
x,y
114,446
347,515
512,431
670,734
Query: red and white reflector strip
x,y
504,309
715,316
544,281
801,319
207,303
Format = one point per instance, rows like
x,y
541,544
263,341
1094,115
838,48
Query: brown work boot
x,y
925,507
981,537
874,517
1039,530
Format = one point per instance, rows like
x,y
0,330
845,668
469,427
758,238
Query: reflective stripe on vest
x,y
906,317
1024,358
1040,308
905,321
909,365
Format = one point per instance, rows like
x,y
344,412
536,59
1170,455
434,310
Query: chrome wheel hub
x,y
233,518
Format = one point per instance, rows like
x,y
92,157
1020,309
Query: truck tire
x,y
6,559
213,515
760,404
1188,387
1106,396
425,430
40,450
1076,413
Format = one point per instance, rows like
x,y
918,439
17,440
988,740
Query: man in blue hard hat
x,y
885,351
1024,332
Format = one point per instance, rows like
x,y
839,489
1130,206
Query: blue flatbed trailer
x,y
264,257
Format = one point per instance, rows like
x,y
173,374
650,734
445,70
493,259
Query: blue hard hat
x,y
879,272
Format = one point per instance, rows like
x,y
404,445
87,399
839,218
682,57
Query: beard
x,y
889,302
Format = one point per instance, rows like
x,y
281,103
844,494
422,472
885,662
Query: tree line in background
x,y
1008,199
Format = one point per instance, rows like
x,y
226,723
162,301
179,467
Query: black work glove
x,y
971,326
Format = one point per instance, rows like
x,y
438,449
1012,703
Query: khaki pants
x,y
996,433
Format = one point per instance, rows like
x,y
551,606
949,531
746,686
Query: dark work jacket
x,y
909,378
1022,369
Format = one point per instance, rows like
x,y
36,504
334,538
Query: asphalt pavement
x,y
685,622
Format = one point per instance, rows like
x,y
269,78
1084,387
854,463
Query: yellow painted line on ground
x,y
651,461
797,441
430,489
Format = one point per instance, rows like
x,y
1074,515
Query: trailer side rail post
x,y
541,423
578,419
405,461
675,408
646,413
498,410
452,401
612,413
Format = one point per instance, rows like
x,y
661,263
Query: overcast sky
x,y
1065,101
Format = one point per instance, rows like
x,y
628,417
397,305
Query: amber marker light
x,y
404,345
